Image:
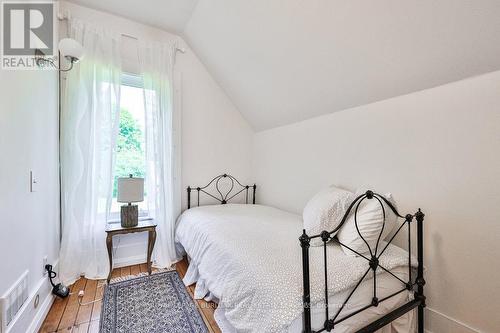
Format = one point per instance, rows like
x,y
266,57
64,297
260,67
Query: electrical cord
x,y
63,291
57,289
88,303
51,273
81,293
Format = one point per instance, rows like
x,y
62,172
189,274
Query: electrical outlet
x,y
45,262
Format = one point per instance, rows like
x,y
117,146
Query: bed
x,y
248,258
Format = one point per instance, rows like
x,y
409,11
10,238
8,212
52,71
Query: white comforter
x,y
249,257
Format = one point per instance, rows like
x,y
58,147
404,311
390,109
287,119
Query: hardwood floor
x,y
67,315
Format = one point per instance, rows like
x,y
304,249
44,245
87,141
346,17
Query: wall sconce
x,y
69,48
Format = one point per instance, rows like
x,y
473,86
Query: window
x,y
130,143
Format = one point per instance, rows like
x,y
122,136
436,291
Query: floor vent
x,y
12,301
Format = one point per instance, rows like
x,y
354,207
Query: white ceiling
x,y
282,61
170,15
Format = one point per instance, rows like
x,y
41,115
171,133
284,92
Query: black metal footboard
x,y
417,285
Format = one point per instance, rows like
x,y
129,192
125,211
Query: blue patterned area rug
x,y
158,303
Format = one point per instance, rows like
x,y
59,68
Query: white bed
x,y
247,258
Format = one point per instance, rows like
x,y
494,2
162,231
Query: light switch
x,y
33,182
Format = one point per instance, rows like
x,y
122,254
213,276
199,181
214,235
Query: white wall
x,y
437,149
29,222
215,137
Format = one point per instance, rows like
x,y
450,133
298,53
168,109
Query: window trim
x,y
135,81
132,80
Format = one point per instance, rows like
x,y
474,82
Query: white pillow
x,y
370,221
325,210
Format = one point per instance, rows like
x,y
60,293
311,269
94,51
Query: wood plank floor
x,y
67,315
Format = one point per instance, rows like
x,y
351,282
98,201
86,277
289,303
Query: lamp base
x,y
129,216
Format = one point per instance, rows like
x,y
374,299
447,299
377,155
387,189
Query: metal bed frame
x,y
416,285
222,198
373,265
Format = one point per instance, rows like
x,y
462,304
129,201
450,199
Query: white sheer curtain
x,y
157,62
89,121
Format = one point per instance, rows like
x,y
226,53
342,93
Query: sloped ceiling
x,y
283,61
169,15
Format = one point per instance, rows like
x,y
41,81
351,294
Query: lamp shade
x,y
71,48
130,189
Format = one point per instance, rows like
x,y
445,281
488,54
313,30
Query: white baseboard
x,y
129,261
436,322
30,318
37,322
129,250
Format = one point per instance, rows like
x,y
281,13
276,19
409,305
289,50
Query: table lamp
x,y
130,190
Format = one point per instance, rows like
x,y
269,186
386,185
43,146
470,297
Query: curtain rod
x,y
66,17
180,49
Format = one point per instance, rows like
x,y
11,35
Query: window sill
x,y
143,218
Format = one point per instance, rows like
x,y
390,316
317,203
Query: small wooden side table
x,y
117,229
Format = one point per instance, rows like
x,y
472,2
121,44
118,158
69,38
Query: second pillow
x,y
324,211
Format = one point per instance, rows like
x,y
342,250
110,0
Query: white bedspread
x,y
249,257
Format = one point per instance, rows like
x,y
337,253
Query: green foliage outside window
x,y
130,155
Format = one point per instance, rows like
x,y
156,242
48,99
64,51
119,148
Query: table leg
x,y
151,245
109,245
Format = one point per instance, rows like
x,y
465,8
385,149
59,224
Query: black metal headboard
x,y
222,196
